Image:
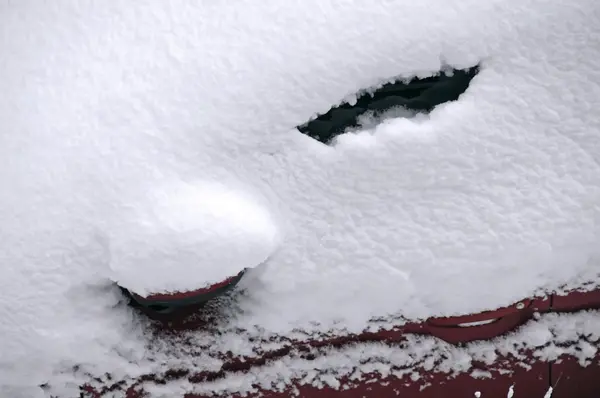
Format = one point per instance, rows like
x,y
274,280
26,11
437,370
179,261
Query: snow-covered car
x,y
410,188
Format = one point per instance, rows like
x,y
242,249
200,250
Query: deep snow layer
x,y
156,246
488,200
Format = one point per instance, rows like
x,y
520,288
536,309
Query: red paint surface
x,y
183,295
531,382
576,301
575,381
503,321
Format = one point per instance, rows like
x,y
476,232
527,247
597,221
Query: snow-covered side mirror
x,y
187,243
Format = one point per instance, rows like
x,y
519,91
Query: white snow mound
x,y
189,236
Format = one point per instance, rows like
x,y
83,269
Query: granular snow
x,y
488,200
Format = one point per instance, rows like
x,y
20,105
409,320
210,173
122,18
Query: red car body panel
x,y
575,301
184,295
568,377
572,380
532,382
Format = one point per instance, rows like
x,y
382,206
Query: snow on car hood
x,y
487,200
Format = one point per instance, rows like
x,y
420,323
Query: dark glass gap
x,y
416,95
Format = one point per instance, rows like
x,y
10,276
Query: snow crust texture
x,y
152,143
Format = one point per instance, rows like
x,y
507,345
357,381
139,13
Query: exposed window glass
x,y
406,97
